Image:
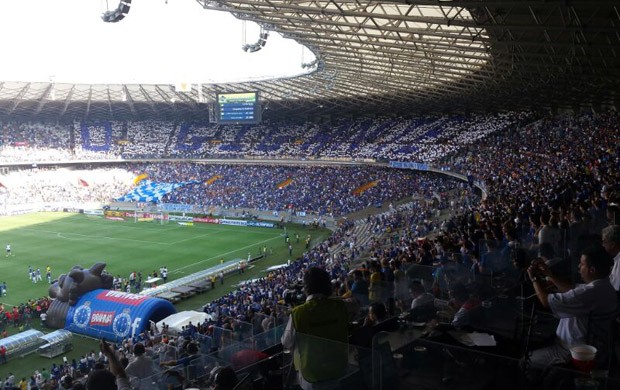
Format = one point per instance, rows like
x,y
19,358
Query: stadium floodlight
x,y
262,41
118,14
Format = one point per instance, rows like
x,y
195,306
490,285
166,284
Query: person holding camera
x,y
115,377
575,305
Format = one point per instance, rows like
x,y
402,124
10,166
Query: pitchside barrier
x,y
166,290
300,217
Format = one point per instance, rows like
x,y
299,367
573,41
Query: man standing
x,y
8,250
142,366
318,331
212,279
611,243
2,354
574,305
192,355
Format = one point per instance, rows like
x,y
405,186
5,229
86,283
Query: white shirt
x,y
614,277
422,300
575,306
141,367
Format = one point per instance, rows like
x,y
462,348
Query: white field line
x,y
179,270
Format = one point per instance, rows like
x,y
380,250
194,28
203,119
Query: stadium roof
x,y
387,57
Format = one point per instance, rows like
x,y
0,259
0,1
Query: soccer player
x,y
8,250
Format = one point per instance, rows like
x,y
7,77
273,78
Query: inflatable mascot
x,y
84,303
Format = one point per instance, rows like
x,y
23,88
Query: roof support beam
x,y
67,101
19,97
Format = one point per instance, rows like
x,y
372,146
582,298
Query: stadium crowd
x,y
422,139
552,187
269,188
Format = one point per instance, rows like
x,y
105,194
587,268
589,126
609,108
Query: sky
x,y
158,42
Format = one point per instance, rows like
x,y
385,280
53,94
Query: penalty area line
x,y
178,270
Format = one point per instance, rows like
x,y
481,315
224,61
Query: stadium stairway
x,y
362,234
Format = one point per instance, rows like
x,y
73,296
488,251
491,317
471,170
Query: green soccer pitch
x,y
63,240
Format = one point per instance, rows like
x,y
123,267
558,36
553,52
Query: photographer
x,y
574,305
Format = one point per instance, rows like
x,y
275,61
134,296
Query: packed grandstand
x,y
450,164
563,169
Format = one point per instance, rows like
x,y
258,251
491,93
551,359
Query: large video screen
x,y
238,107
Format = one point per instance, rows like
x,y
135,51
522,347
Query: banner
x,y
177,218
139,178
213,179
261,224
409,165
93,212
234,222
207,220
181,208
359,190
284,183
123,214
150,191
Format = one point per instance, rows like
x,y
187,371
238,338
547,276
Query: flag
x,y
139,178
82,183
183,86
2,185
149,191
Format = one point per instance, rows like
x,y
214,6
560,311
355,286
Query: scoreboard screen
x,y
238,107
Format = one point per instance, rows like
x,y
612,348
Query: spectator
x,y
317,331
102,379
611,243
142,366
574,305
